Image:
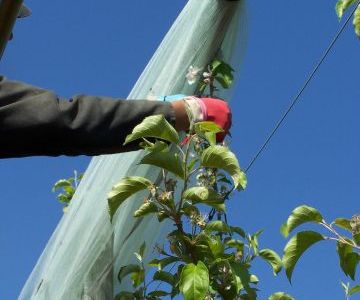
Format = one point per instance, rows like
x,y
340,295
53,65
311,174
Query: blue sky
x,y
101,47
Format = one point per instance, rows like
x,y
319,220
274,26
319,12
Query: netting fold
x,y
84,254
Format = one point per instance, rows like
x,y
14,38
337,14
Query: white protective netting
x,y
84,254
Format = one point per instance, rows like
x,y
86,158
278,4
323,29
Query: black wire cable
x,y
297,97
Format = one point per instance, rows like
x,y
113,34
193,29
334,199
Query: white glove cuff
x,y
193,105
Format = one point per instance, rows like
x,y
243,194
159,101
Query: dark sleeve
x,y
34,121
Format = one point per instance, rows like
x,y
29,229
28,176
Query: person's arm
x,y
34,121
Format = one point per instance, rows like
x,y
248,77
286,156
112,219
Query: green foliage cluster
x,y
347,241
342,6
67,188
213,259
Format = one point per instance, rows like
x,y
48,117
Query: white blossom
x,y
207,74
193,72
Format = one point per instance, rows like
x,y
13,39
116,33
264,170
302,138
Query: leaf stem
x,y
338,238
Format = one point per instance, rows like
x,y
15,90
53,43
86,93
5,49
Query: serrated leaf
x,y
165,277
238,230
300,215
162,263
217,226
216,246
204,195
354,289
155,127
61,183
145,209
211,138
272,258
138,277
356,238
281,296
343,250
220,157
295,248
245,278
207,126
225,82
343,223
165,160
220,67
356,21
238,245
342,6
339,8
194,281
350,263
158,146
127,270
124,189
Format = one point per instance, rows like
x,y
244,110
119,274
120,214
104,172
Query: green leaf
x,y
348,260
220,157
225,82
343,250
162,263
356,21
220,67
204,195
127,270
272,258
254,243
217,226
61,183
211,138
194,281
145,209
125,296
342,6
216,246
356,238
281,296
207,126
155,127
343,223
352,261
354,289
159,146
138,277
165,277
297,245
245,278
300,215
238,230
238,245
124,189
165,160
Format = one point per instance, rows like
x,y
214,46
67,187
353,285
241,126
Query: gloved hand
x,y
211,109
